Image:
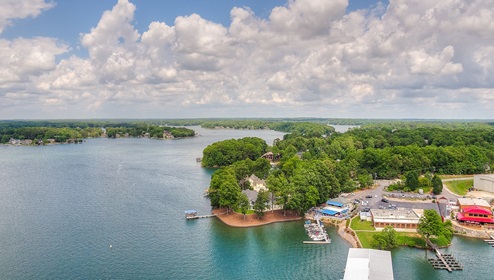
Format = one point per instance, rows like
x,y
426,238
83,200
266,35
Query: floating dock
x,y
319,228
444,261
490,241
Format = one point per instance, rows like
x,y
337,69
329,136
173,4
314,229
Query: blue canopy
x,y
328,212
334,203
190,212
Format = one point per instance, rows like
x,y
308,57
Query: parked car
x,y
384,200
368,196
366,209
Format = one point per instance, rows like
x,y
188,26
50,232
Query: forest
x,y
312,169
63,130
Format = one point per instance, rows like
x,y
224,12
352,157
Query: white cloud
x,y
411,59
15,9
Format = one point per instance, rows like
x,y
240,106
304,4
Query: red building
x,y
475,214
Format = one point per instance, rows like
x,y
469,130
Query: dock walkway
x,y
443,261
490,241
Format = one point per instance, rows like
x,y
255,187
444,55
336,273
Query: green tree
x,y
385,240
412,180
430,224
437,185
243,203
261,203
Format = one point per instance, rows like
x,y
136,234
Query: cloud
x,y
408,59
15,9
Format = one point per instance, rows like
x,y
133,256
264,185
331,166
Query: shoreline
x,y
237,219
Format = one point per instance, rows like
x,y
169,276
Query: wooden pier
x,y
443,261
192,214
202,216
490,241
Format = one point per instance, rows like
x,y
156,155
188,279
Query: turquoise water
x,y
61,207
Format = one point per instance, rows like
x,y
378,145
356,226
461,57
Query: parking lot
x,y
373,199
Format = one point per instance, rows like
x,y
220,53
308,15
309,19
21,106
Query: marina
x,y
316,232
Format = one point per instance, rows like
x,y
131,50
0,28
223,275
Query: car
x,y
368,196
384,200
366,209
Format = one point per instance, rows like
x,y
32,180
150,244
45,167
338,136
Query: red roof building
x,y
475,214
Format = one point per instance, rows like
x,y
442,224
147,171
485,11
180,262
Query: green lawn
x,y
357,224
459,187
403,238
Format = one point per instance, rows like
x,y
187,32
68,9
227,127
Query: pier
x,y
192,214
443,261
490,241
317,227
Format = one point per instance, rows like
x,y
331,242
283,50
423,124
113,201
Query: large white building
x,y
368,264
484,182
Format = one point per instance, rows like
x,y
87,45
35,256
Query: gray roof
x,y
368,264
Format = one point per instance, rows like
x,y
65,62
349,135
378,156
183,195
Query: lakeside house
x,y
256,183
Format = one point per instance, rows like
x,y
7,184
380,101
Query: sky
x,y
84,59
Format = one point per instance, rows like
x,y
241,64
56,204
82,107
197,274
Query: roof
x,y
328,212
477,210
395,216
334,203
462,218
368,264
251,195
473,201
190,212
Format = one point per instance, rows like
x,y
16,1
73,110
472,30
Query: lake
x,y
113,209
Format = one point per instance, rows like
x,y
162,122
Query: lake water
x,y
62,206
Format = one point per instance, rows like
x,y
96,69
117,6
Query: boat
x,y
190,214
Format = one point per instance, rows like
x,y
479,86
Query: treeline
x,y
308,129
61,131
140,130
312,169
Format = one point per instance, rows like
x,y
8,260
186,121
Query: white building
x,y
368,264
484,182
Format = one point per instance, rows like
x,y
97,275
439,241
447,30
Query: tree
x,y
243,203
430,224
261,203
437,185
385,240
412,180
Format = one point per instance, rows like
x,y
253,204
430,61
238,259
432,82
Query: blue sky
x,y
246,58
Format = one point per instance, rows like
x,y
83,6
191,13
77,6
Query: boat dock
x,y
317,233
490,241
444,261
192,214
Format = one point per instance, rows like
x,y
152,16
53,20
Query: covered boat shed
x,y
368,264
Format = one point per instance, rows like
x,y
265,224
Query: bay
x,y
62,206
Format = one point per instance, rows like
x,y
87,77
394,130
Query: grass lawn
x,y
357,224
459,187
365,238
454,176
410,239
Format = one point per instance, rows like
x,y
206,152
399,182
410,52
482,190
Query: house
x,y
484,182
256,183
168,135
252,196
